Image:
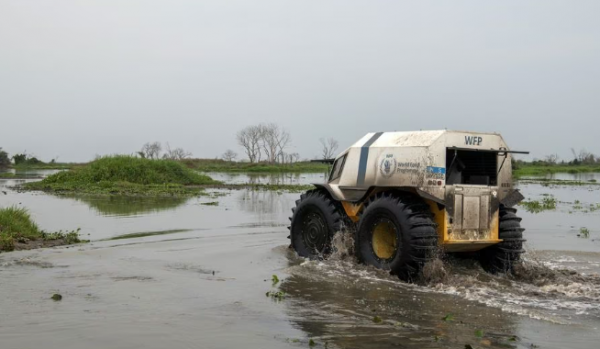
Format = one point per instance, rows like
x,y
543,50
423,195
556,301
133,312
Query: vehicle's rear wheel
x,y
396,232
315,219
502,256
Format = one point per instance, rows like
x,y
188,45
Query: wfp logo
x,y
387,166
473,140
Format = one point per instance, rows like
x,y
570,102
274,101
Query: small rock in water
x,y
56,297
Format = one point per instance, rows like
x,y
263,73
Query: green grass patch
x,y
16,226
126,175
526,169
7,175
216,165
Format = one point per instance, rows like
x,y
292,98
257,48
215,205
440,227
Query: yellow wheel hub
x,y
384,240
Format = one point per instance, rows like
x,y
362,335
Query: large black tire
x,y
408,222
501,257
315,219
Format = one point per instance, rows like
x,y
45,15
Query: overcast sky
x,y
80,78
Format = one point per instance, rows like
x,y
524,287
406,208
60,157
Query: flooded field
x,y
192,273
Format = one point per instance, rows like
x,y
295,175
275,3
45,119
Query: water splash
x,y
534,289
342,245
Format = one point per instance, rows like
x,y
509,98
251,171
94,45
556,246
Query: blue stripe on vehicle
x,y
364,156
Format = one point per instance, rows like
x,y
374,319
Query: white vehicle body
x,y
464,177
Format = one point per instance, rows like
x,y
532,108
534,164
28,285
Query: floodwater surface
x,y
194,273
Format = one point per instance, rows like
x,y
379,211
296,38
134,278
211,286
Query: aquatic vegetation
x,y
277,295
584,232
535,206
479,333
56,297
311,343
290,188
70,237
210,203
275,279
17,227
578,206
122,168
377,319
126,175
547,182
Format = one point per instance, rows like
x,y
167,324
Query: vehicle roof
x,y
407,138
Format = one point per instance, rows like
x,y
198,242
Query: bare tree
x,y
583,157
249,138
273,140
552,159
229,155
267,141
176,154
282,139
328,147
151,150
292,158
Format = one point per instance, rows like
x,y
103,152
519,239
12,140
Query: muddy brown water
x,y
198,278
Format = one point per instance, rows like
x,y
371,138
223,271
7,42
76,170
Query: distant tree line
x,y
18,159
265,142
269,142
581,157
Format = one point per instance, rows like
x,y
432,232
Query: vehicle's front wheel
x,y
316,218
397,233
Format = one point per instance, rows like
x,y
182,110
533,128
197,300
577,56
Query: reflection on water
x,y
130,206
268,178
263,202
30,173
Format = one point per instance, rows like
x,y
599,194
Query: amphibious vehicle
x,y
407,195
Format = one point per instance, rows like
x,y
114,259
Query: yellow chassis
x,y
450,241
